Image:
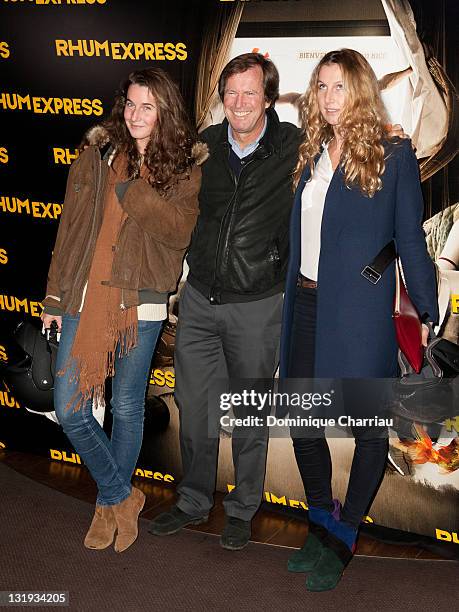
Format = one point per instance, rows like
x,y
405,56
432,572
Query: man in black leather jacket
x,y
231,305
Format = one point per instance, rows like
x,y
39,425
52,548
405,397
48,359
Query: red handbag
x,y
408,327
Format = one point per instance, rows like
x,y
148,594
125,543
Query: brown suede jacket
x,y
152,240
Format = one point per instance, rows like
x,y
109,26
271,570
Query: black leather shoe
x,y
172,521
236,534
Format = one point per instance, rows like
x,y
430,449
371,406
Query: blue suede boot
x,y
305,559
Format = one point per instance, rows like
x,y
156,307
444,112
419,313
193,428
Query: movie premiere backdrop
x,y
61,62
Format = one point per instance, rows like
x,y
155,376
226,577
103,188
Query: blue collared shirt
x,y
249,148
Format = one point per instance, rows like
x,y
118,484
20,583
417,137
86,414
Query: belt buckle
x,y
371,274
214,297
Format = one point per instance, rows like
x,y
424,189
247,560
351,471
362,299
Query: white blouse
x,y
312,206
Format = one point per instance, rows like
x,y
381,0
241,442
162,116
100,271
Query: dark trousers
x,y
312,454
235,341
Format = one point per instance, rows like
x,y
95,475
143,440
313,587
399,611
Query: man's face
x,y
244,103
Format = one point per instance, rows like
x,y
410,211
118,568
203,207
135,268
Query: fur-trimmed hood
x,y
98,136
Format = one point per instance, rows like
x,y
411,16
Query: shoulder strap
x,y
374,270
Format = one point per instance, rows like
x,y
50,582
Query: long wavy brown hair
x,y
361,123
168,152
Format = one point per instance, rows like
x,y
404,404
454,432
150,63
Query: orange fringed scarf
x,y
104,323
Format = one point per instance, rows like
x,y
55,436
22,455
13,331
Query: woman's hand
x,y
425,335
396,131
48,319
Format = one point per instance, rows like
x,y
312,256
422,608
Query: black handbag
x,y
432,395
446,354
31,379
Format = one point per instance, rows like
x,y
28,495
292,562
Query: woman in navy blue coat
x,y
356,190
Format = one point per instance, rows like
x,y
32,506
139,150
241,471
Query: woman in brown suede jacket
x,y
130,207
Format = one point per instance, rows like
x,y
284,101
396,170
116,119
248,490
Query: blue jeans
x,y
111,462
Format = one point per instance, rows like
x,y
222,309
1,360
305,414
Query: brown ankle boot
x,y
102,529
126,517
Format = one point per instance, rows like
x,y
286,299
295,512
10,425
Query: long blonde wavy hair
x,y
361,123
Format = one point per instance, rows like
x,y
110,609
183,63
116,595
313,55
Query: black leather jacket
x,y
239,248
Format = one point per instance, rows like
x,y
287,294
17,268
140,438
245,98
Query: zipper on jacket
x,y
214,298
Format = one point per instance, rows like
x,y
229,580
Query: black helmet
x,y
31,379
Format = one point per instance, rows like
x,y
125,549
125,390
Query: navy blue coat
x,y
355,334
